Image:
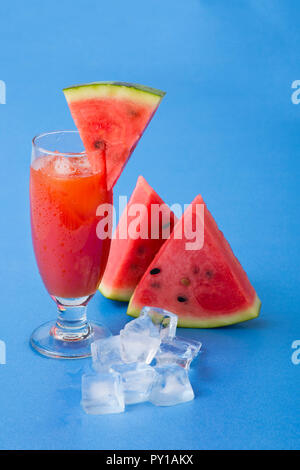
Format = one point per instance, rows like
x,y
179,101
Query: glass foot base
x,y
49,340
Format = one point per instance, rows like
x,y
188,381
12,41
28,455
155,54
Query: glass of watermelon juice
x,y
65,192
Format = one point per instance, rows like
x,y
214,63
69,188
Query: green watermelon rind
x,y
121,295
214,322
119,90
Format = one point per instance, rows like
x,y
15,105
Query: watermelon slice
x,y
205,287
114,115
128,257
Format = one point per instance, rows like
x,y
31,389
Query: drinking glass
x,y
70,244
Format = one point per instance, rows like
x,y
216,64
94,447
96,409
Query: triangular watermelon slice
x,y
206,287
114,114
129,257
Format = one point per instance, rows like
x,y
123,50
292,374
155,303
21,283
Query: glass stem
x,y
71,323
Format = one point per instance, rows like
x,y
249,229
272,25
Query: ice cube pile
x,y
145,362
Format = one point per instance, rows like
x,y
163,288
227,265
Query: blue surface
x,y
228,129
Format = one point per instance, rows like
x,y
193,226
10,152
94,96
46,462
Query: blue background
x,y
227,129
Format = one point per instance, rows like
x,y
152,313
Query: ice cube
x,y
137,380
194,345
142,325
171,352
139,346
40,163
102,393
63,166
171,387
105,352
177,351
82,163
165,321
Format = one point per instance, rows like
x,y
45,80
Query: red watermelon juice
x,y
64,195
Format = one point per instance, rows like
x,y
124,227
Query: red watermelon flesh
x,y
129,258
206,287
114,115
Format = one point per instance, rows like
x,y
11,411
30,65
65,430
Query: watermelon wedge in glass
x,y
112,115
206,287
130,256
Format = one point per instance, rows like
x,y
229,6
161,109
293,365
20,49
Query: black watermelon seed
x,y
155,271
181,299
209,274
99,144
